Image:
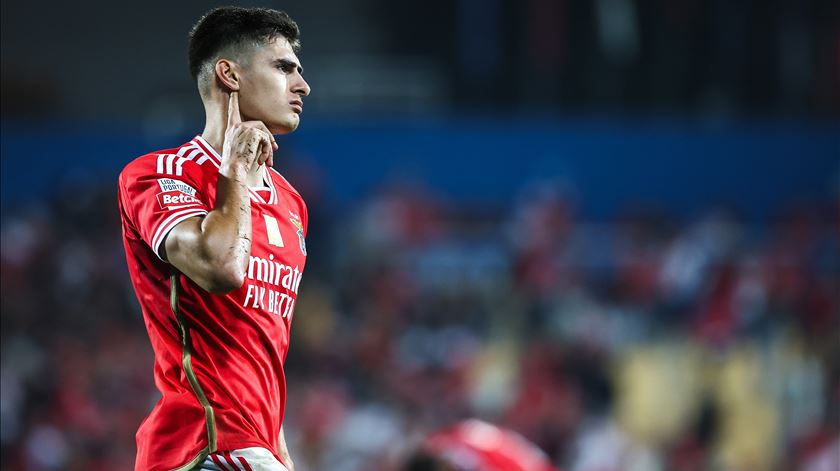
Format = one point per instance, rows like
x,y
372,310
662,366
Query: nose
x,y
301,87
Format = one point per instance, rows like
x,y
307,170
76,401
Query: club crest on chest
x,y
295,219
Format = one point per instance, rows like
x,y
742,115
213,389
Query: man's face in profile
x,y
272,87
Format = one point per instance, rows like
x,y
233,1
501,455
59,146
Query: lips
x,y
297,106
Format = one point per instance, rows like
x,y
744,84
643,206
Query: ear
x,y
227,74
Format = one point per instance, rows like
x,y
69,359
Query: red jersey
x,y
218,358
474,445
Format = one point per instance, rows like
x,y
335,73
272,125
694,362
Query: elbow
x,y
226,279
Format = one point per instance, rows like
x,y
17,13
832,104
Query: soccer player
x,y
215,243
474,445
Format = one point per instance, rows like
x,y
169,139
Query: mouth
x,y
297,106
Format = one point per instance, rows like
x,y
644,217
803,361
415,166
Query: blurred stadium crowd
x,y
645,342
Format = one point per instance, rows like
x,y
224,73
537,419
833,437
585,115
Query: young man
x,y
215,244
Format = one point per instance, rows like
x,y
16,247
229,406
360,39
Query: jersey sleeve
x,y
155,202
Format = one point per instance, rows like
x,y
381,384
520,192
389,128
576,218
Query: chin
x,y
284,126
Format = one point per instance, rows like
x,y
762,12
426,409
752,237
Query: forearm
x,y
214,251
227,228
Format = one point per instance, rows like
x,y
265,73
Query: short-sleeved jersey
x,y
476,445
218,358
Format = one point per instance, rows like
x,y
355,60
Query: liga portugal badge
x,y
296,221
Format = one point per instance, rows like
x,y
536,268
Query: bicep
x,y
184,249
199,253
155,203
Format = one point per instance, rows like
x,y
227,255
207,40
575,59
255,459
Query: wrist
x,y
236,172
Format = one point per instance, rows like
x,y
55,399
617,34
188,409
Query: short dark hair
x,y
224,27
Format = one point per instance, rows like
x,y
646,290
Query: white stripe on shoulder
x,y
170,222
207,147
204,159
186,147
208,151
166,164
180,162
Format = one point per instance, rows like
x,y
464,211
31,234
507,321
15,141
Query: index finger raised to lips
x,y
233,110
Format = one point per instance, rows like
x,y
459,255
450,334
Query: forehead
x,y
277,48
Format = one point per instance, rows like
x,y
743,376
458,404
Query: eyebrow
x,y
289,63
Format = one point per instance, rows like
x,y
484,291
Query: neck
x,y
214,133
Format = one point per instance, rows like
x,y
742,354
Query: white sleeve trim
x,y
169,223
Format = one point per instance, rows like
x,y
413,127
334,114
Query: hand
x,y
247,145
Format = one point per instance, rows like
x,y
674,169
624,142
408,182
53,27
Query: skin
x,y
246,103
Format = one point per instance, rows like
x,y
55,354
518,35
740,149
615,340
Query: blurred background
x,y
609,225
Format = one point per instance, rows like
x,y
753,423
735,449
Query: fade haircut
x,y
234,31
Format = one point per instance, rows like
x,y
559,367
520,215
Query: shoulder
x,y
300,205
145,164
282,183
183,162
